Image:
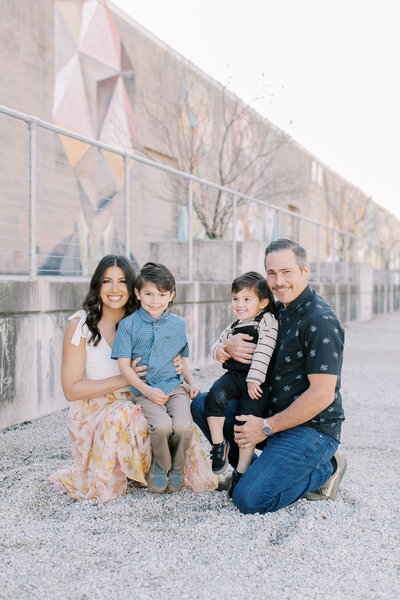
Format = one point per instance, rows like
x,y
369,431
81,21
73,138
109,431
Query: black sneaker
x,y
235,479
219,457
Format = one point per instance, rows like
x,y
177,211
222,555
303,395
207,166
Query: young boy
x,y
254,307
157,336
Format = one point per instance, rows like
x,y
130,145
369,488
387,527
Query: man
x,y
301,434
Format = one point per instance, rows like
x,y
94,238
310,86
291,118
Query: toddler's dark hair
x,y
256,282
158,274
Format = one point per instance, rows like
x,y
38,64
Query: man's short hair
x,y
285,244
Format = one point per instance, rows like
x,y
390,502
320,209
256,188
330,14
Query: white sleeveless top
x,y
99,363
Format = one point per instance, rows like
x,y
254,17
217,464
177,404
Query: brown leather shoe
x,y
329,489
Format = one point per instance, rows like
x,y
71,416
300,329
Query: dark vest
x,y
232,364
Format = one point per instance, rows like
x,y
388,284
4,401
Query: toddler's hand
x,y
194,391
221,354
254,390
157,396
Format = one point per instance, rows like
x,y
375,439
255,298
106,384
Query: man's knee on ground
x,y
250,503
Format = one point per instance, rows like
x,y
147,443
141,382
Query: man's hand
x,y
254,390
221,354
251,433
140,371
240,348
157,396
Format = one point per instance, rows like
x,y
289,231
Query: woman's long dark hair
x,y
93,304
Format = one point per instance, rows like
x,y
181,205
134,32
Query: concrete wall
x,y
34,313
32,321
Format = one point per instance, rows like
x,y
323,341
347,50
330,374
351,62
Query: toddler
x,y
254,308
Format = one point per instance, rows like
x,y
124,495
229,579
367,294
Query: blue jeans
x,y
292,463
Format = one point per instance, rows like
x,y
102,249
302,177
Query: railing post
x,y
234,241
299,229
190,231
127,206
346,276
333,270
346,258
32,127
318,273
385,279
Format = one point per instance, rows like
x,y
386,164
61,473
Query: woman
x,y
109,433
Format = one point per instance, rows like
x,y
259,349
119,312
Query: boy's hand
x,y
157,396
178,364
221,354
140,371
254,390
194,391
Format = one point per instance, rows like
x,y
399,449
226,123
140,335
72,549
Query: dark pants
x,y
232,385
292,463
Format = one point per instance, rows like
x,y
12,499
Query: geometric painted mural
x,y
93,93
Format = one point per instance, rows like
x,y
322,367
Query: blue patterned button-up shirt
x,y
157,341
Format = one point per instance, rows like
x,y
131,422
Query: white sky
x,y
329,71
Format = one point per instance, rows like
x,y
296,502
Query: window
x,y
316,173
294,223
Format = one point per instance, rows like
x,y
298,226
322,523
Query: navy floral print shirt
x,y
310,340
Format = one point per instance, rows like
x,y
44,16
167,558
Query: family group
x,y
274,415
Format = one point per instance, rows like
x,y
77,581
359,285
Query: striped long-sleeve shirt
x,y
267,329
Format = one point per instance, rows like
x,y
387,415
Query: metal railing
x,y
68,199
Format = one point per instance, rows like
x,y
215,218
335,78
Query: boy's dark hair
x,y
256,282
158,274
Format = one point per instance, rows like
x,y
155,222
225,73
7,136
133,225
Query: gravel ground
x,y
198,546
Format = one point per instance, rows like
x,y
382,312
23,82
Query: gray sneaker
x,y
157,479
175,480
329,489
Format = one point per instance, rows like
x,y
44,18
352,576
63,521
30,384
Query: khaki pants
x,y
170,427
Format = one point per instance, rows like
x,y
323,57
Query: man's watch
x,y
267,429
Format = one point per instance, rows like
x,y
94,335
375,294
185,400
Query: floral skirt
x,y
111,443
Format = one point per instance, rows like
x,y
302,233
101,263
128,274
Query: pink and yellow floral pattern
x,y
110,444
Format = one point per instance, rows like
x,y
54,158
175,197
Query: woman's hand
x,y
141,371
178,364
194,390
